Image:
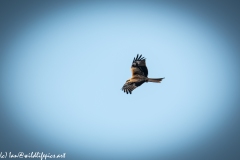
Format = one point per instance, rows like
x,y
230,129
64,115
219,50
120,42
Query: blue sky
x,y
64,72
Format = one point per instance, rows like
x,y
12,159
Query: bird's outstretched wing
x,y
128,87
139,66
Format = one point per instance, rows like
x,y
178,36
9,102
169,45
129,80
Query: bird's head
x,y
127,80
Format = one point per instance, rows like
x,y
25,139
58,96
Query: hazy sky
x,y
62,71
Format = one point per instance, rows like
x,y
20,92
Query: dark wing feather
x,y
139,66
128,87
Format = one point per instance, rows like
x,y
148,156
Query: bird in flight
x,y
139,75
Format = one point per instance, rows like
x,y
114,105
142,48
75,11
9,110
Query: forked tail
x,y
156,80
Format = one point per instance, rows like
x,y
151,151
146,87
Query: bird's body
x,y
139,75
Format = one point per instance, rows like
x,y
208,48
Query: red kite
x,y
139,75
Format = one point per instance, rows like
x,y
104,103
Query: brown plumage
x,y
139,75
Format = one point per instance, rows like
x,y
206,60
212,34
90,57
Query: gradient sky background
x,y
63,64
